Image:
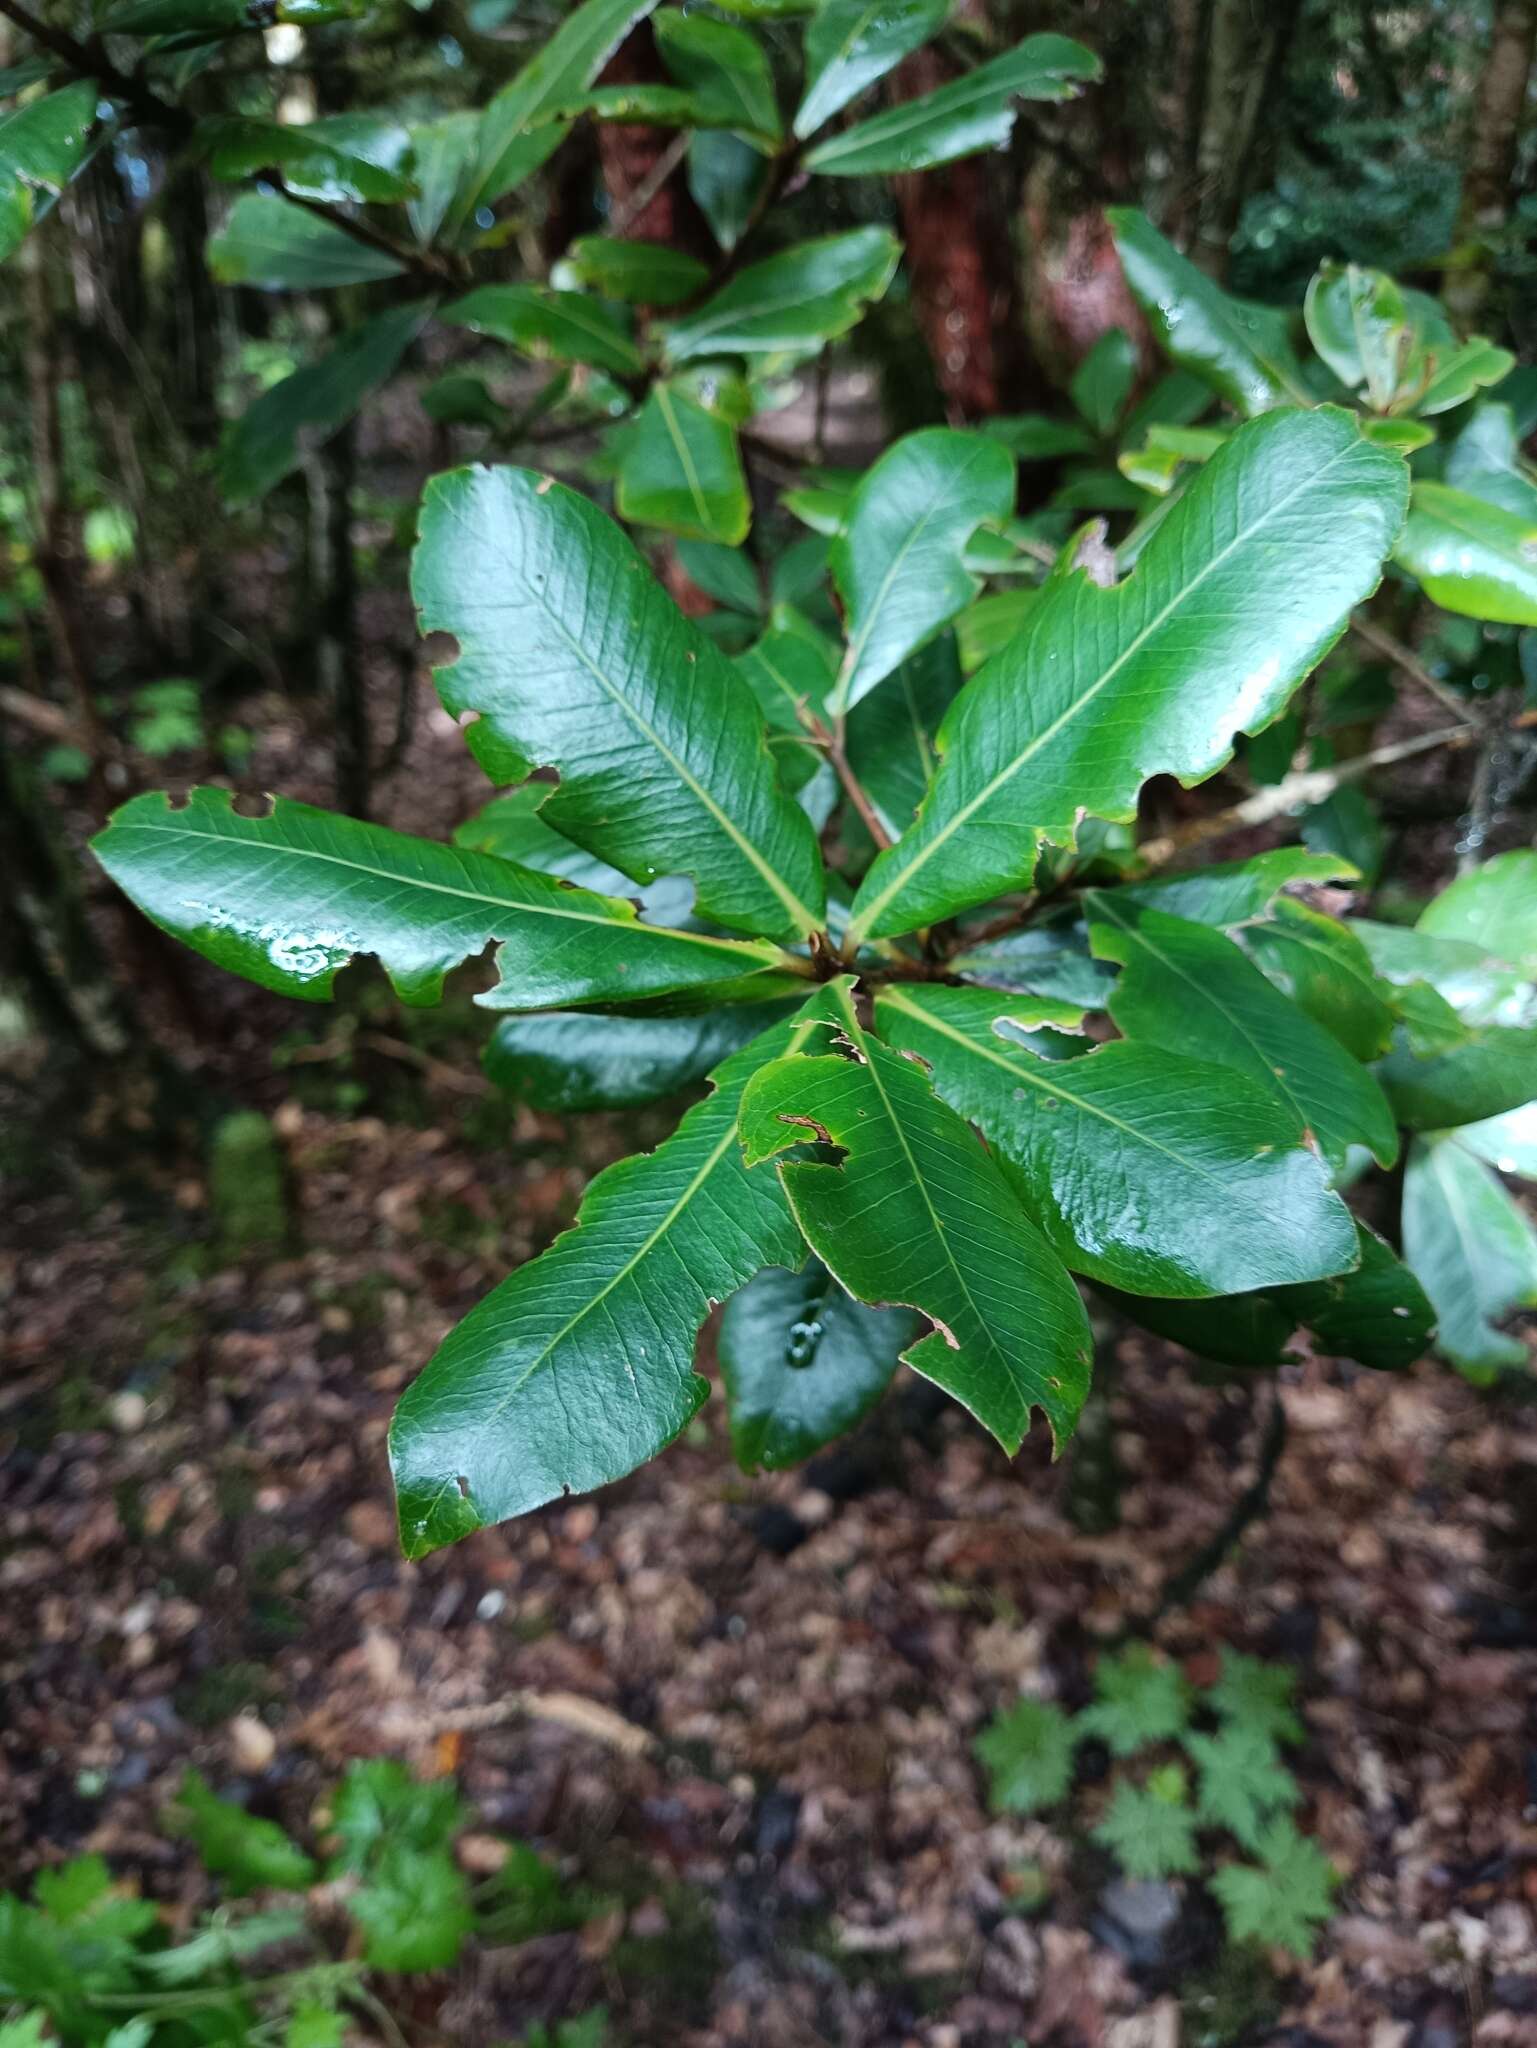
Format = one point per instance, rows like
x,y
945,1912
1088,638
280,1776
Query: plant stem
x,y
1307,786
832,739
1250,1504
1371,635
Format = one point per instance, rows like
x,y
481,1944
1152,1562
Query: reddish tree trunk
x,y
629,155
960,262
1493,138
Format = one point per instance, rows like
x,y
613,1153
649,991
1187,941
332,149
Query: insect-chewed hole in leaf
x,y
463,1485
442,649
259,804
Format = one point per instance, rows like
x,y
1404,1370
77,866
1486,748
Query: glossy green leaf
x,y
640,273
1378,1315
1474,1251
565,1061
274,433
1243,351
650,104
1493,907
1508,1142
277,246
513,828
1469,556
682,469
987,626
309,164
798,299
1188,987
789,670
898,561
726,177
551,326
43,143
1243,587
728,575
517,130
1244,1330
724,66
580,1366
801,1362
1032,437
961,117
890,735
1485,461
1493,1070
1404,436
1234,891
1158,1173
440,154
850,44
1103,381
1358,322
576,659
915,1212
1479,987
1462,371
1049,959
1323,966
288,900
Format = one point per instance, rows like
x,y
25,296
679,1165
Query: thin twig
x,y
652,183
826,736
1249,1506
566,1709
1371,635
1307,786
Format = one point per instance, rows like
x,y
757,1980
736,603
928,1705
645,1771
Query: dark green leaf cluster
x,y
1151,1821
859,848
925,1124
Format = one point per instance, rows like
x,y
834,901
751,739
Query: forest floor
x,y
738,1711
769,1773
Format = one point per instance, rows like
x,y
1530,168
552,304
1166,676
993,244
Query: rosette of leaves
x,y
904,1118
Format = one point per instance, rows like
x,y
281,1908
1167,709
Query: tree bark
x,y
1247,46
1491,151
961,266
629,153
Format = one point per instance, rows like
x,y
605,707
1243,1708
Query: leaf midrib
x,y
852,1024
1050,1087
707,1168
800,912
892,126
685,458
1273,1073
921,856
845,541
753,947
